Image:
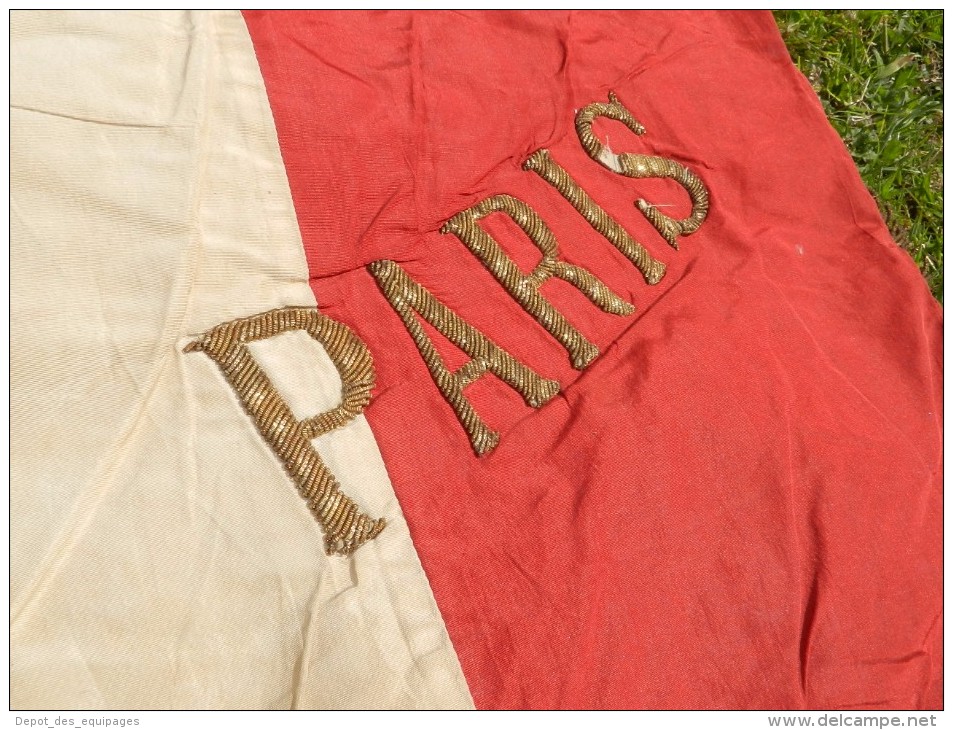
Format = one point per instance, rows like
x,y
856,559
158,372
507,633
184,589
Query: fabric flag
x,y
451,360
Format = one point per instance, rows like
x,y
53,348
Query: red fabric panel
x,y
738,504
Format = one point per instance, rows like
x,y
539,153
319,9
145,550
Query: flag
x,y
441,360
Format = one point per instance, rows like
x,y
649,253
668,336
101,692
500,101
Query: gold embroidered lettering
x,y
407,297
643,166
524,288
542,163
345,527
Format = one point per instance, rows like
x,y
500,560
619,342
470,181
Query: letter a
x,y
406,296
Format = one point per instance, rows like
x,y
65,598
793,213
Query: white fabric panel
x,y
161,556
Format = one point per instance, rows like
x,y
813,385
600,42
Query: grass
x,y
879,75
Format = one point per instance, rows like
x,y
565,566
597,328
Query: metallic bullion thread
x,y
406,297
345,527
524,288
642,166
542,163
